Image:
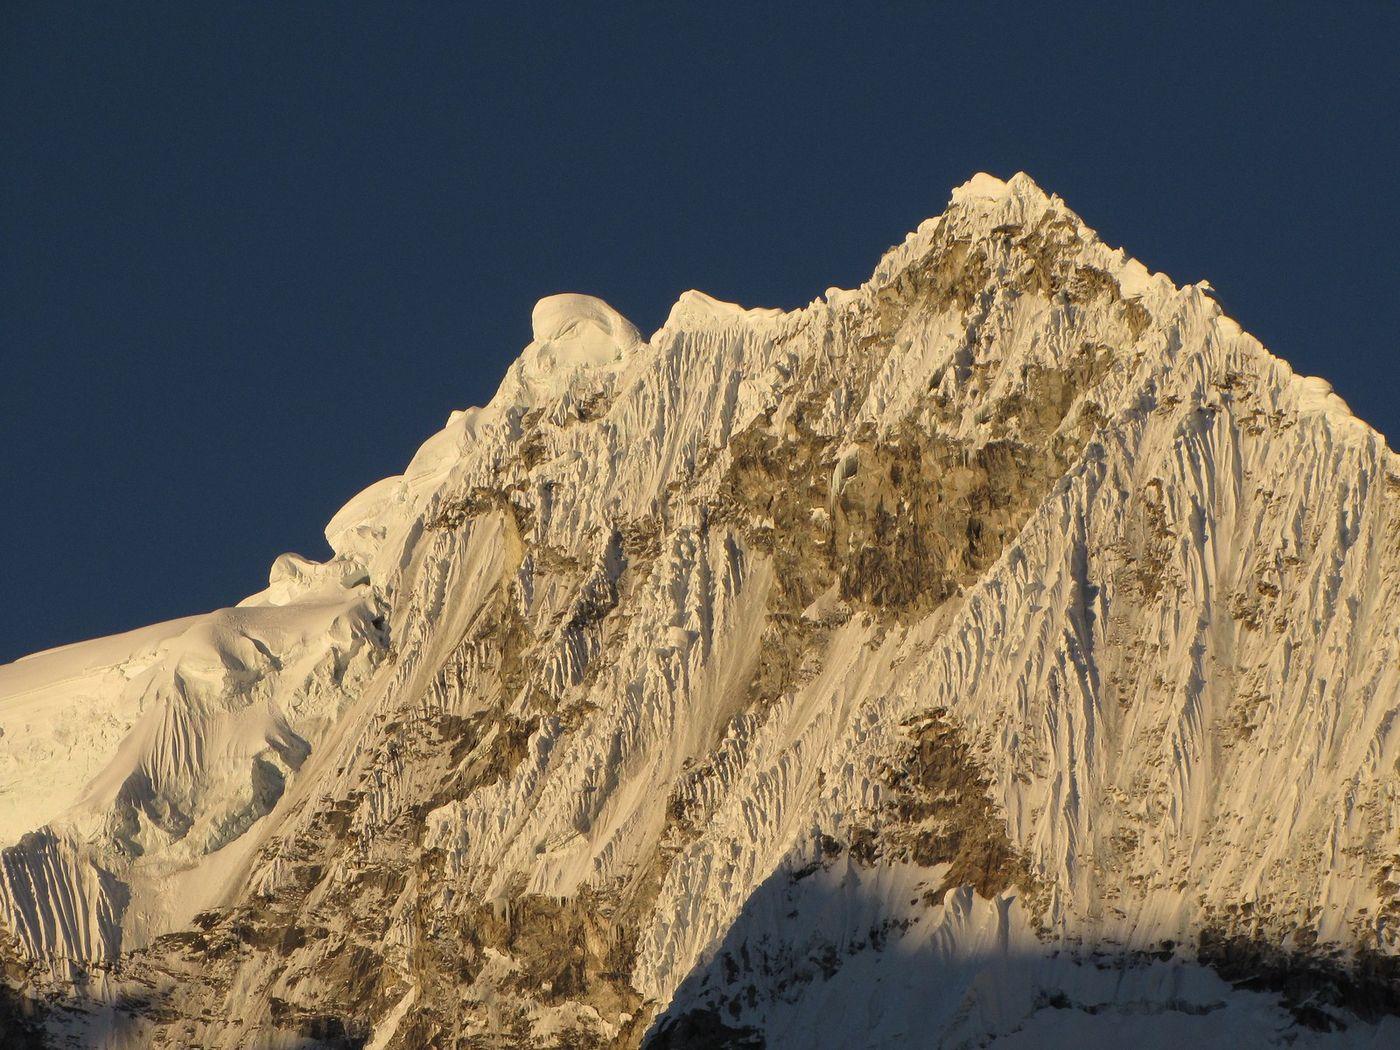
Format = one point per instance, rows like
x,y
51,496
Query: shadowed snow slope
x,y
1007,650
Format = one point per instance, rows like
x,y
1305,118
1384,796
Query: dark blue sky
x,y
253,254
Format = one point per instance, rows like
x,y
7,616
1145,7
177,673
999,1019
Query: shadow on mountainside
x,y
849,956
21,1020
842,953
1313,985
74,1023
31,1023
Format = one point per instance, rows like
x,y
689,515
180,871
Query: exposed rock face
x,y
1006,649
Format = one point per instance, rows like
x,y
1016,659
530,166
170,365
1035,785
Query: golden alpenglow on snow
x,y
1005,649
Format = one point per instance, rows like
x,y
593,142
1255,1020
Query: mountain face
x,y
1005,651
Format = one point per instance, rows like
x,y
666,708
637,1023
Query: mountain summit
x,y
1004,651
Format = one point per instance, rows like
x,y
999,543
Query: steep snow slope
x,y
1003,650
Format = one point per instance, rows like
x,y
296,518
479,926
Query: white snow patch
x,y
584,328
695,309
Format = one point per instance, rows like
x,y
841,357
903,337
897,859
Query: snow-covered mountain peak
x,y
983,187
1005,650
976,210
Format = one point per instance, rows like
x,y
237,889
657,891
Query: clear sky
x,y
253,254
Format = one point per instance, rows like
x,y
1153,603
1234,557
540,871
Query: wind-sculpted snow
x,y
212,721
1003,650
